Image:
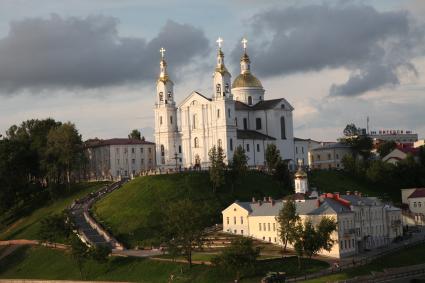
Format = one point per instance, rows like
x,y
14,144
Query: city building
x,y
401,153
363,223
329,156
413,200
112,159
399,136
236,114
303,149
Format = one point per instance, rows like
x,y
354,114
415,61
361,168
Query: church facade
x,y
235,114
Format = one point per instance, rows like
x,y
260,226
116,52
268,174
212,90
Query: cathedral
x,y
234,114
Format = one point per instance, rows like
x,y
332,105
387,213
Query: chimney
x,y
348,193
253,199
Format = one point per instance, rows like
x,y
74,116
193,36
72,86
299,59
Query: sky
x,y
95,63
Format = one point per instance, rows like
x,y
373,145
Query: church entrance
x,y
197,162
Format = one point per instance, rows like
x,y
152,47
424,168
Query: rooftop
x,y
252,135
115,141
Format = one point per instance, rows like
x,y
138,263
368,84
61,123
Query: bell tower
x,y
166,135
222,77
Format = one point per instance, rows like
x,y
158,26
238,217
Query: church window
x,y
161,96
218,88
125,150
258,147
143,161
226,88
296,149
196,142
302,149
249,100
160,120
231,144
163,160
169,94
258,123
162,150
219,143
171,119
218,113
282,128
261,98
150,150
141,150
245,123
228,112
282,106
247,147
236,121
180,149
132,150
194,121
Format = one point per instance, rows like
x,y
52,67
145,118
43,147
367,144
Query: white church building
x,y
233,114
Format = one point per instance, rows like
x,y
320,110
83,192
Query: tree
x,y
54,228
272,156
100,253
350,130
217,174
283,175
238,165
79,252
240,256
324,230
184,227
386,147
287,220
65,151
135,134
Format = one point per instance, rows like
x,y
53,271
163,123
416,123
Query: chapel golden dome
x,y
300,174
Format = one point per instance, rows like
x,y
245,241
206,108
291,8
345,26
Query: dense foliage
x,y
38,161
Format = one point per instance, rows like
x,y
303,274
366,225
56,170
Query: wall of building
x,y
328,158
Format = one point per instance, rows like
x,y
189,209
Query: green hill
x,y
27,227
133,212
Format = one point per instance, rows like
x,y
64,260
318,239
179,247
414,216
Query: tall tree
x,y
79,252
238,165
184,227
386,147
287,220
65,151
240,256
217,173
272,157
135,134
283,175
350,130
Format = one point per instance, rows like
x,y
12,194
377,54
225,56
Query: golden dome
x,y
246,80
300,174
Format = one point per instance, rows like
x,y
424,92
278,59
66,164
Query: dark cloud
x,y
89,52
372,44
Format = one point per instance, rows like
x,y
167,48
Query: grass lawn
x,y
410,256
43,263
28,226
330,181
133,212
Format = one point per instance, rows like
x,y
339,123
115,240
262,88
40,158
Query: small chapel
x,y
234,114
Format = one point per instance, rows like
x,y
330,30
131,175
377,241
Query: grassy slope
x,y
43,263
410,256
133,211
28,227
338,181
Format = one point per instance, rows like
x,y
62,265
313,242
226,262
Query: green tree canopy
x,y
272,156
217,167
135,134
287,220
386,147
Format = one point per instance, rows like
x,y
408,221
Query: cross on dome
x,y
219,41
162,51
244,43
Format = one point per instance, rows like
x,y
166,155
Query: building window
x,y
268,226
226,88
241,232
169,94
194,121
234,220
282,128
133,150
414,204
259,225
236,122
118,161
228,112
218,113
150,150
337,156
218,88
117,150
231,144
162,150
227,218
180,149
241,219
160,120
258,123
133,161
196,142
296,149
141,150
161,96
282,106
258,147
118,172
264,226
247,147
274,228
329,156
171,119
245,123
143,161
125,150
249,100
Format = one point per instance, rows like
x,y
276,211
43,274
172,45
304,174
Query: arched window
x,y
194,121
231,144
282,128
218,88
160,120
196,142
249,100
161,96
162,150
219,143
171,119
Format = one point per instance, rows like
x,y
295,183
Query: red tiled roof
x,y
411,150
418,193
115,141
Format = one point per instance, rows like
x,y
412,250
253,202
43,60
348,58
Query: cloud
x,y
373,45
57,52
